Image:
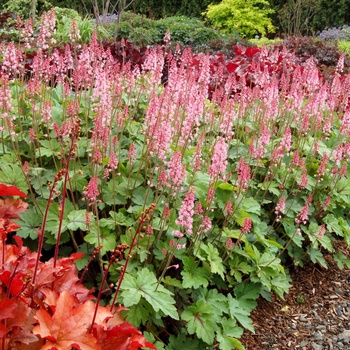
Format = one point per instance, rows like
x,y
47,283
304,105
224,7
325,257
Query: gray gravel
x,y
326,325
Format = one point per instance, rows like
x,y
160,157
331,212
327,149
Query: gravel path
x,y
314,315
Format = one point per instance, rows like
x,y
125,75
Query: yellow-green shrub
x,y
247,17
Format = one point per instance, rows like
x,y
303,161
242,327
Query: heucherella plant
x,y
211,182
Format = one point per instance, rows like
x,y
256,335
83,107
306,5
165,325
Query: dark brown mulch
x,y
313,303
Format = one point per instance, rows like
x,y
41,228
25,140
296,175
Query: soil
x,y
315,311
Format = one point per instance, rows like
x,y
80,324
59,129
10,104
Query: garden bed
x,y
192,187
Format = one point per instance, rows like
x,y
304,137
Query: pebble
x,y
323,325
330,330
339,291
338,310
344,336
318,336
316,346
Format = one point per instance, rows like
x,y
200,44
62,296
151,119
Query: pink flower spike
x,y
228,210
177,234
219,160
247,225
206,224
177,170
185,219
91,192
243,171
303,215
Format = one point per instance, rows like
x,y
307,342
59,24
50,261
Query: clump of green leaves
x,y
24,8
264,41
183,30
344,46
248,18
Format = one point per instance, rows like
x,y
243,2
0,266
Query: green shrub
x,y
264,41
138,29
23,9
248,18
344,46
86,27
63,13
143,37
183,30
186,30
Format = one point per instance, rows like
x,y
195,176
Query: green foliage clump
x,y
63,13
265,41
23,8
143,31
331,13
344,46
187,30
166,8
248,18
139,29
86,26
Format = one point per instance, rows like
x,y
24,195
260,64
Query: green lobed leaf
x,y
227,336
200,183
341,260
250,205
271,186
247,293
229,343
332,225
239,313
182,342
194,276
29,222
11,174
142,197
120,218
201,321
291,231
238,267
214,298
226,186
317,257
145,285
174,282
77,220
230,328
139,313
214,259
115,193
280,284
101,237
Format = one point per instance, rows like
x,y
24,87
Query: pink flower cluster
x,y
176,170
219,160
303,215
185,218
243,172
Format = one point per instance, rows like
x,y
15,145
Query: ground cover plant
x,y
213,176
